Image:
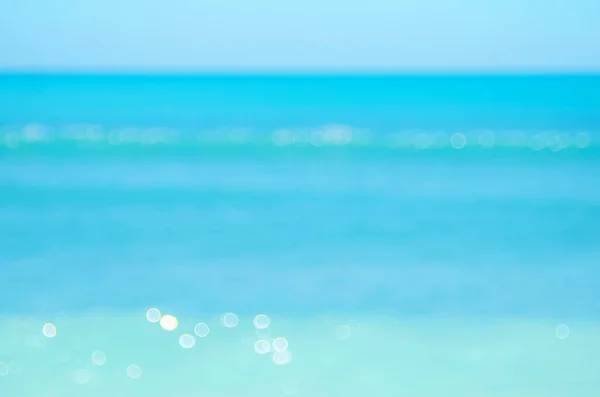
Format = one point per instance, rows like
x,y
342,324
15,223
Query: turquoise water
x,y
407,235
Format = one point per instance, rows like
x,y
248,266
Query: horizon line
x,y
296,72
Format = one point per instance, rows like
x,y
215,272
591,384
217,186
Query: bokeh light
x,y
261,321
458,141
562,331
153,315
3,369
187,341
554,143
262,346
98,358
169,322
134,371
201,330
229,320
280,344
282,357
49,330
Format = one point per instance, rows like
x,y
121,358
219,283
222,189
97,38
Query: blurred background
x,y
316,199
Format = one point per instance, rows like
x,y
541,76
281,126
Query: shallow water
x,y
383,356
459,258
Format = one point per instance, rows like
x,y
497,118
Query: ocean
x,y
334,236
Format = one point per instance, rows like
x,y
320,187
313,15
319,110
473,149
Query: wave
x,y
90,136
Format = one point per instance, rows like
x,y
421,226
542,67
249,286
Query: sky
x,y
300,35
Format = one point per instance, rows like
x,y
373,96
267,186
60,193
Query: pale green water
x,y
382,357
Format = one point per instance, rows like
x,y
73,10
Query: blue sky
x,y
409,35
